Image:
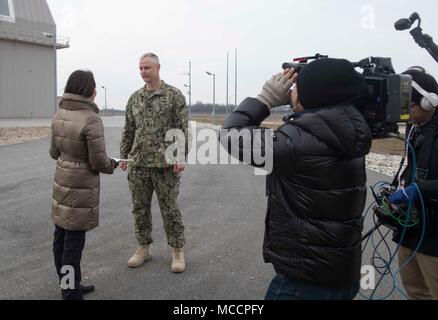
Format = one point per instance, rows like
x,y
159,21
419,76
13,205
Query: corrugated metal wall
x,y
33,15
27,75
26,80
36,11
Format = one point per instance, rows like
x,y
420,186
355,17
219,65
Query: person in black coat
x,y
317,187
418,252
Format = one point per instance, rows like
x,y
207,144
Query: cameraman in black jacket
x,y
317,189
418,254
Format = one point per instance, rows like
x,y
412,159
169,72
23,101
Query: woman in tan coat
x,y
78,145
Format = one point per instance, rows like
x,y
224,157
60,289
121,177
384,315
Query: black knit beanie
x,y
424,80
329,82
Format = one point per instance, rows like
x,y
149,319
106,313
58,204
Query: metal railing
x,y
32,36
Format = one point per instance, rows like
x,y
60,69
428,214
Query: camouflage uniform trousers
x,y
142,183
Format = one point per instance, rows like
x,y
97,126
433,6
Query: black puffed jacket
x,y
316,192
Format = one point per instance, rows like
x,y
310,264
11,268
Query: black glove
x,y
114,163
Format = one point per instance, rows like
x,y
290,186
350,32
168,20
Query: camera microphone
x,y
404,24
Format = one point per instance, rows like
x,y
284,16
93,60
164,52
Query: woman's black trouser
x,y
67,251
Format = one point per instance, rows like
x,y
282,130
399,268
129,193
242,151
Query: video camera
x,y
299,63
387,98
423,40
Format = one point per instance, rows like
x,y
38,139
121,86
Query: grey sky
x,y
109,36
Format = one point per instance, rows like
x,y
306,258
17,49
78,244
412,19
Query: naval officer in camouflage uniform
x,y
150,113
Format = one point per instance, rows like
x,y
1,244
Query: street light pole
x,y
228,75
189,86
104,88
214,94
235,82
53,36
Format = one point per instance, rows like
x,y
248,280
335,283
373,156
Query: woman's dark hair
x,y
81,83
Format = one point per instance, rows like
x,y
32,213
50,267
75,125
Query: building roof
x,y
28,21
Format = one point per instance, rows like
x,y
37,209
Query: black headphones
x,y
430,99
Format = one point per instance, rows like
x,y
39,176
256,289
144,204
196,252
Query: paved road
x,y
223,208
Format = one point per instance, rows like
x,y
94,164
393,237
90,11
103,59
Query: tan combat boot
x,y
178,261
141,256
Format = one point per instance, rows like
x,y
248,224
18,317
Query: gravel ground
x,y
17,135
386,164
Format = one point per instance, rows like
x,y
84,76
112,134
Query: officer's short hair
x,y
151,55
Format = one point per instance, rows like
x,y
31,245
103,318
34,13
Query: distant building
x,y
28,59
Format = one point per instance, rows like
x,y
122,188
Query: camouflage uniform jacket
x,y
149,115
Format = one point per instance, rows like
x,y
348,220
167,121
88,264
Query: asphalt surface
x,y
224,212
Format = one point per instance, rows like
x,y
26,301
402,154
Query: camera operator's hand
x,y
276,91
405,195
